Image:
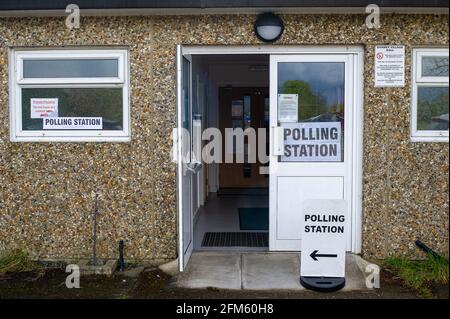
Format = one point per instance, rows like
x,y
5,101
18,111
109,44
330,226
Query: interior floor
x,y
221,214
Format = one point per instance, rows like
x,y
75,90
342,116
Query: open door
x,y
311,106
183,138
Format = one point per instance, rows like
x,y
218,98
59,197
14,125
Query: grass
x,y
15,261
420,274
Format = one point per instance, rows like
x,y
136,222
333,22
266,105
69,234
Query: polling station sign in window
x,y
312,142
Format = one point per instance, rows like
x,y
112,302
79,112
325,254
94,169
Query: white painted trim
x,y
358,114
179,164
358,153
419,81
272,49
421,53
22,55
16,83
221,11
183,252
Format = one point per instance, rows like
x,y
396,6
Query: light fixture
x,y
268,27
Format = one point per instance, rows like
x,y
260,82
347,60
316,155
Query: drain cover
x,y
236,239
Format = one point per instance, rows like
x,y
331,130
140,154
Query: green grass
x,y
16,261
420,274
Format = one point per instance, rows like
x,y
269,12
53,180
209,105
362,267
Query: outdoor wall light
x,y
268,27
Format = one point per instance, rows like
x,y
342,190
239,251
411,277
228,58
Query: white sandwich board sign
x,y
324,223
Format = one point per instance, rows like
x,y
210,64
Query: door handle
x,y
175,145
194,167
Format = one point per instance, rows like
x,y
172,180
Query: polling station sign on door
x,y
312,142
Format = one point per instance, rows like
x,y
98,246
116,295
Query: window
x,y
69,95
430,96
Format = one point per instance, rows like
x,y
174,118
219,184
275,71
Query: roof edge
x,y
230,11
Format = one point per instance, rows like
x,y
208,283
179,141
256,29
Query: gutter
x,y
222,11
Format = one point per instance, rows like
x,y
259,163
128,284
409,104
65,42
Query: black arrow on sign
x,y
315,254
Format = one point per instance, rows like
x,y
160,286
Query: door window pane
x,y
70,68
432,108
106,103
186,118
434,66
311,105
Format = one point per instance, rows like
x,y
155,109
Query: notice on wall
x,y
389,66
237,108
40,108
287,108
73,123
312,142
323,231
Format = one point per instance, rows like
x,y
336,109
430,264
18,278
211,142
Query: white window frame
x,y
425,81
17,82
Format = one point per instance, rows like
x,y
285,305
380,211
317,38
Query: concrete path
x,y
256,271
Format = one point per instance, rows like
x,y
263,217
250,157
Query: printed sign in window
x,y
73,123
41,108
287,108
312,142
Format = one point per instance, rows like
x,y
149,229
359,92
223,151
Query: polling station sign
x,y
323,233
73,123
312,142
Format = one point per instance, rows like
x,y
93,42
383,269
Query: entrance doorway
x,y
309,101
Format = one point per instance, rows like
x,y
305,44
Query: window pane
x,y
71,68
434,66
186,118
76,102
311,110
432,109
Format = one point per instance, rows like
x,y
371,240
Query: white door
x,y
184,158
311,105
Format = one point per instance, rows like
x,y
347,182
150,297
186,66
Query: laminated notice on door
x,y
312,142
40,108
287,108
73,123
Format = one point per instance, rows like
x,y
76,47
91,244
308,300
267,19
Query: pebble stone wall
x,y
46,189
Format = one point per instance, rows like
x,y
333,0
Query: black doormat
x,y
236,239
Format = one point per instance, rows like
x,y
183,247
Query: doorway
x,y
244,107
311,108
235,213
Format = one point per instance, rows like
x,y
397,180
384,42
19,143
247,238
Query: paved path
x,y
256,271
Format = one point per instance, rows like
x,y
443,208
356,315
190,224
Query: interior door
x,y
242,107
310,126
184,157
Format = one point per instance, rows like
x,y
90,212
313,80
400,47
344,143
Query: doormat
x,y
254,218
236,239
